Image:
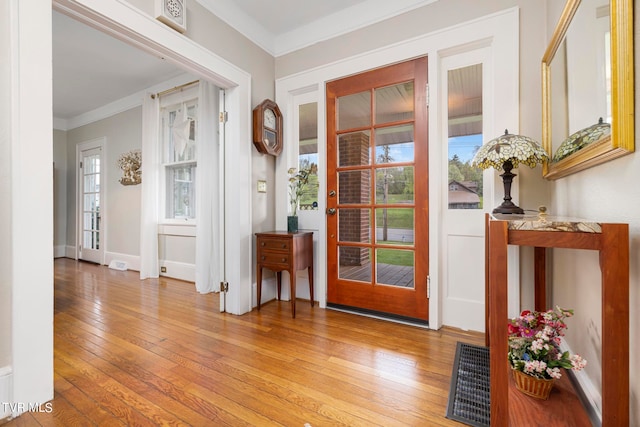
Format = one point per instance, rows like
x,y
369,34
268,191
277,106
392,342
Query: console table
x,y
612,242
282,251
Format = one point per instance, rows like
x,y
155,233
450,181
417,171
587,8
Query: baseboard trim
x,y
133,261
6,381
589,395
70,252
59,251
178,270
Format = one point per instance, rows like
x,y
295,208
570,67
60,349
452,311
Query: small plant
x,y
297,184
534,344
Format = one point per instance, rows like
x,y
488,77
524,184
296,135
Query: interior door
x,y
90,205
377,191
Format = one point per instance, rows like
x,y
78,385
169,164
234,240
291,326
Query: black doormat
x,y
469,393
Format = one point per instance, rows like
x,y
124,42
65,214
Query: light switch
x,y
262,186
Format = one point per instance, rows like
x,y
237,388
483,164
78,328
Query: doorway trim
x,y
501,29
129,24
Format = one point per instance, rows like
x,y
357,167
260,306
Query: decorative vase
x,y
292,224
532,386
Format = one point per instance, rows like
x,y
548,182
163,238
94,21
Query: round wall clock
x,y
267,128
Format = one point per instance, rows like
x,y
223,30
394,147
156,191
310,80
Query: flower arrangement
x,y
130,164
297,183
534,344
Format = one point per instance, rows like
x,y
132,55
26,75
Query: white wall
x,y
5,186
26,30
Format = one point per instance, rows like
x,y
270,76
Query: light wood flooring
x,y
155,352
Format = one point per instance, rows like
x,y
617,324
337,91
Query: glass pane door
x,y
90,248
380,207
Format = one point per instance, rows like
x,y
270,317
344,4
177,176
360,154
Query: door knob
x,y
331,211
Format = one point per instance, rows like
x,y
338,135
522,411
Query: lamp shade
x,y
581,139
508,147
507,152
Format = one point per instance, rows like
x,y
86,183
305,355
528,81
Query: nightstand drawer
x,y
271,258
274,244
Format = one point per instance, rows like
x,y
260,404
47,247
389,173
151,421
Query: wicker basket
x,y
531,386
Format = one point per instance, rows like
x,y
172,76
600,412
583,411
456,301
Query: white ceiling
x,y
92,69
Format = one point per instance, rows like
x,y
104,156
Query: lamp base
x,y
508,207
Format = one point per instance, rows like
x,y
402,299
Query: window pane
x,y
354,225
394,103
181,132
465,183
308,152
354,187
90,240
181,201
354,263
354,149
179,135
394,144
394,185
395,226
354,111
395,267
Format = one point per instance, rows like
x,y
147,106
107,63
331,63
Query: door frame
x,y
91,144
501,29
138,29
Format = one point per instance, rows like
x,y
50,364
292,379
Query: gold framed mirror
x,y
564,114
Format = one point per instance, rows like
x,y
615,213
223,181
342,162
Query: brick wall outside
x,y
354,188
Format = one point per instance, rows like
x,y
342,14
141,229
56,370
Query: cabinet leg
x,y
292,275
279,283
259,285
311,294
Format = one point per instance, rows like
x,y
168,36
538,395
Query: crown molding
x,y
346,20
128,102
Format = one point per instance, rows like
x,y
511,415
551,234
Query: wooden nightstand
x,y
281,251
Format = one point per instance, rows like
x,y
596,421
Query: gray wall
x,y
123,133
59,192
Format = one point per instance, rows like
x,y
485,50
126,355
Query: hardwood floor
x,y
155,352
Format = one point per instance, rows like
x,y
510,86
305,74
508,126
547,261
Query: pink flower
x,y
554,372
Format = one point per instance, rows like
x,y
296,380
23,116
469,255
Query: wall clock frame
x,y
267,128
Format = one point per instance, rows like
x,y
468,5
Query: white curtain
x,y
207,198
150,188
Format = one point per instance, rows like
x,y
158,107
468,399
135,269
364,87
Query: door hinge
x,y
80,165
224,286
223,117
427,94
428,286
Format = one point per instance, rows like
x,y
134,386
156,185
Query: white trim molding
x,y
127,23
500,30
6,385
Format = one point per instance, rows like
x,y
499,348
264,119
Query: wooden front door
x,y
377,191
